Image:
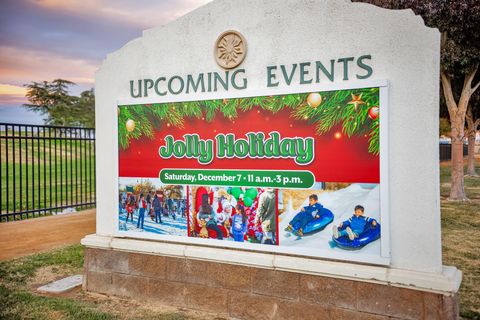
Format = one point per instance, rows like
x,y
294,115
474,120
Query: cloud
x,y
19,67
86,29
146,14
12,95
13,90
43,40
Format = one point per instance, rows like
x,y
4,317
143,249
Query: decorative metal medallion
x,y
230,49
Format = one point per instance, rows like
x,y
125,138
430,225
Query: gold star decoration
x,y
356,100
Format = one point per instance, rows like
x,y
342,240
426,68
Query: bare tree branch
x,y
476,124
476,87
466,90
469,116
469,79
447,91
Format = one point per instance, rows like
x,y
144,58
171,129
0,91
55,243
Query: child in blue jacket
x,y
307,214
354,226
239,223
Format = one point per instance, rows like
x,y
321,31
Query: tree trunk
x,y
471,154
472,125
457,112
457,190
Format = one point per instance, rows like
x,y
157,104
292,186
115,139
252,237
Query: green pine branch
x,y
335,109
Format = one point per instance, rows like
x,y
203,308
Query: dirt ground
x,y
20,238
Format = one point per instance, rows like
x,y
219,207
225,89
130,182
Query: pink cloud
x,y
19,67
50,39
12,95
148,14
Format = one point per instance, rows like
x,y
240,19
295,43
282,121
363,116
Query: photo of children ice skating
x,y
146,205
331,217
233,214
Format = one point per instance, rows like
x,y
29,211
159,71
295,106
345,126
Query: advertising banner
x,y
296,173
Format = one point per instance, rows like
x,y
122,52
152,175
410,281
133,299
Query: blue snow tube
x,y
369,234
316,225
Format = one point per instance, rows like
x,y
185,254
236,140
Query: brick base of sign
x,y
244,292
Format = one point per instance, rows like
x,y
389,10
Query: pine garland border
x,y
336,108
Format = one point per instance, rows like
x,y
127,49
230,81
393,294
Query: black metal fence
x,y
45,170
446,151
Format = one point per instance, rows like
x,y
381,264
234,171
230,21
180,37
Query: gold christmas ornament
x,y
130,125
314,99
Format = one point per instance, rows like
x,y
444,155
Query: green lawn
x,y
461,239
18,300
46,174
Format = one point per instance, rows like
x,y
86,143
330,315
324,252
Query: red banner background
x,y
338,158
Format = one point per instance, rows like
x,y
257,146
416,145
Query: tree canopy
x,y
52,99
459,24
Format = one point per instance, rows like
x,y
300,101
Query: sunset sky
x,y
49,39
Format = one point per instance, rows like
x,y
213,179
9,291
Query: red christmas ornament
x,y
373,112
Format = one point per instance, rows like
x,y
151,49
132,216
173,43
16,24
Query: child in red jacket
x,y
142,205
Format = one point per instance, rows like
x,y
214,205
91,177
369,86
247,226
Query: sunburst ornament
x,y
230,49
356,100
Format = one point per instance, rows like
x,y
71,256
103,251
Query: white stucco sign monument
x,y
273,159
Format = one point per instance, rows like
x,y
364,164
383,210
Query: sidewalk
x,y
20,238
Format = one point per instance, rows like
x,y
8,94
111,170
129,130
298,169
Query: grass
x,y
54,174
20,277
461,238
17,300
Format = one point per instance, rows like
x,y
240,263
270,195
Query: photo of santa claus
x,y
241,214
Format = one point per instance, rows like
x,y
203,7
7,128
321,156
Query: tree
x,y
143,187
53,100
445,127
44,96
173,191
458,22
86,108
473,124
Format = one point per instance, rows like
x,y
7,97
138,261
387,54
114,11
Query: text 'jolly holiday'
x,y
254,145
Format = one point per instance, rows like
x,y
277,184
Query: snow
x,y
169,226
342,203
